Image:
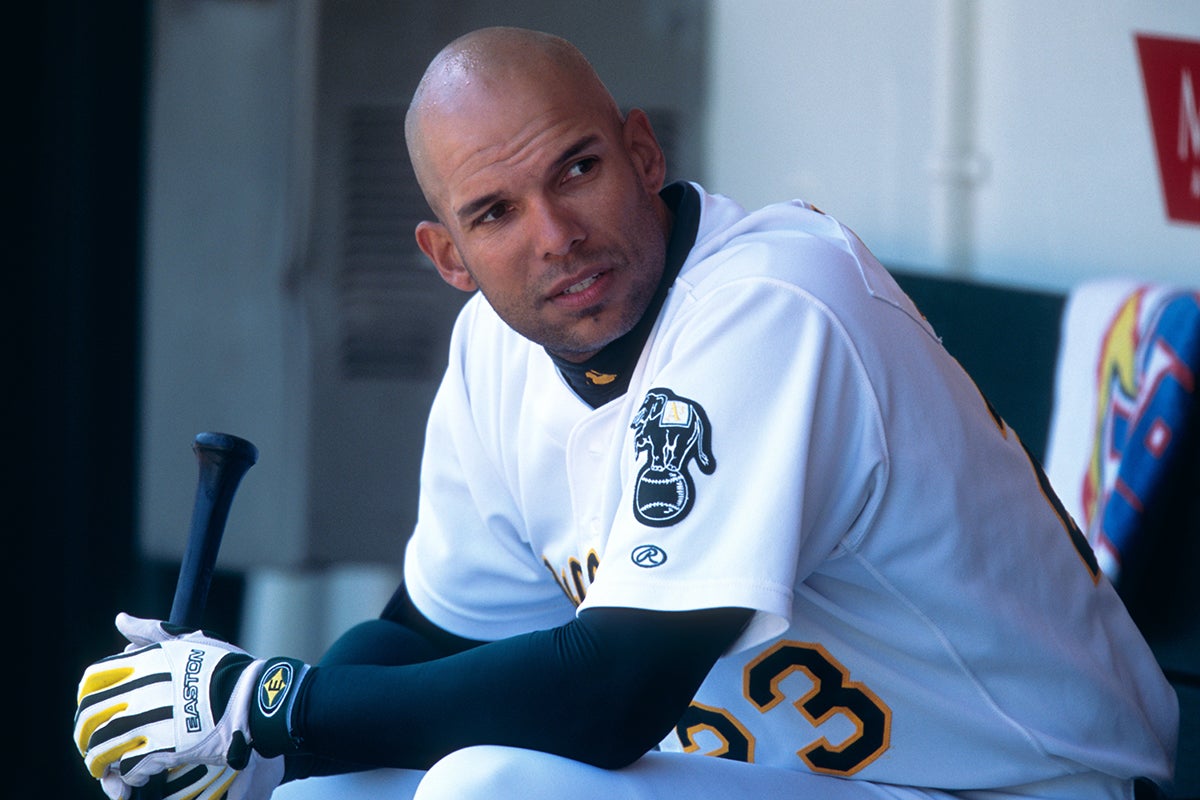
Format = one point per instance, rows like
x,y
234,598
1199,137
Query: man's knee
x,y
376,784
487,771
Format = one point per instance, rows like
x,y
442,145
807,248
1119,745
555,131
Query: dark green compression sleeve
x,y
602,689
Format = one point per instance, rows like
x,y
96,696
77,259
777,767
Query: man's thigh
x,y
500,772
494,773
376,784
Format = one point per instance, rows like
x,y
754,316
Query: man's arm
x,y
602,689
401,635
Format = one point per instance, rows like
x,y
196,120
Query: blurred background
x,y
214,217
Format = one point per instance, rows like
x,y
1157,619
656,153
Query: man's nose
x,y
558,229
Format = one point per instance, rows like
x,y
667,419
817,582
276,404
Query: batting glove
x,y
208,782
180,699
199,782
202,781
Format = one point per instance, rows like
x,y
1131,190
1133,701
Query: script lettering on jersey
x,y
672,431
576,577
191,690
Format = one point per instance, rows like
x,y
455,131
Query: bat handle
x,y
223,461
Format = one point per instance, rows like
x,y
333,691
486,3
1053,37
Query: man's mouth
x,y
583,284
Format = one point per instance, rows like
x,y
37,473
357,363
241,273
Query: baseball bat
x,y
223,461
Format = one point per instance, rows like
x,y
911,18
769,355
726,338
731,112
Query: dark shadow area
x,y
81,70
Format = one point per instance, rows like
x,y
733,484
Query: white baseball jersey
x,y
795,440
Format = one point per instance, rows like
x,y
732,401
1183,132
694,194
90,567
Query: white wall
x,y
223,348
844,103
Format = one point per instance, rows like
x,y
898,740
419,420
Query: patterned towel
x,y
1127,374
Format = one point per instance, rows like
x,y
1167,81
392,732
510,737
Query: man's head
x,y
546,197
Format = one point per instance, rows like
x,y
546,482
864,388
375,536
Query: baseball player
x,y
706,510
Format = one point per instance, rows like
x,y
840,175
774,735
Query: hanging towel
x,y
1126,379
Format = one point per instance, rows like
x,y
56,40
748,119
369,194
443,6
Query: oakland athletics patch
x,y
673,432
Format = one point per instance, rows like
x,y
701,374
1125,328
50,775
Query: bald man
x,y
705,511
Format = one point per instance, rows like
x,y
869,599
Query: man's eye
x,y
581,167
493,214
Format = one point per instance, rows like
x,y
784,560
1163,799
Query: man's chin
x,y
578,352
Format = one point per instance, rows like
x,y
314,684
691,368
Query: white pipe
x,y
956,167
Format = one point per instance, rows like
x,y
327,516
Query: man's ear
x,y
643,148
436,243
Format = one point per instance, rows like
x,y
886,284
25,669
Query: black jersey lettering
x,y
832,693
734,741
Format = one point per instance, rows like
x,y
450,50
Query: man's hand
x,y
207,782
179,699
198,782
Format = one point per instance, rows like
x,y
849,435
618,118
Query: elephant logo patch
x,y
673,432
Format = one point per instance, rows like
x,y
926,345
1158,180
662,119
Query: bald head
x,y
547,197
484,68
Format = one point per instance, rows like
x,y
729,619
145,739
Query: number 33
x,y
832,693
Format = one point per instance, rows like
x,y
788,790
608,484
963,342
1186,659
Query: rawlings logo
x,y
648,556
191,690
672,431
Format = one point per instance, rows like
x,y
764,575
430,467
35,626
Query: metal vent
x,y
394,307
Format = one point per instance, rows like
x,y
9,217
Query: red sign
x,y
1171,71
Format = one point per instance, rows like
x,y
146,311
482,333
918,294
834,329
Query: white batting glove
x,y
198,782
174,699
207,782
258,780
143,632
